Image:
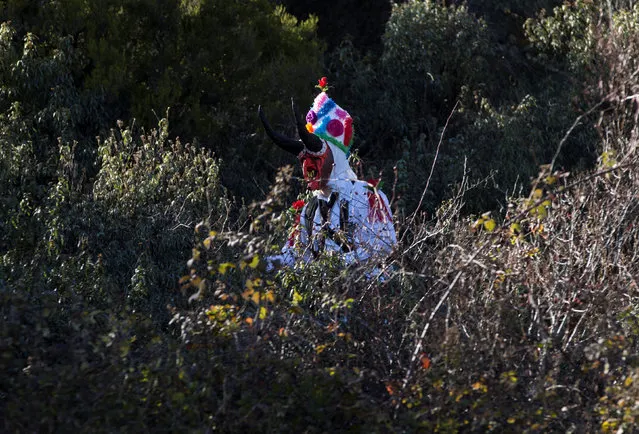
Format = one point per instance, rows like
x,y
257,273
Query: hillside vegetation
x,y
139,196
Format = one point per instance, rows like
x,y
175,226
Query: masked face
x,y
317,168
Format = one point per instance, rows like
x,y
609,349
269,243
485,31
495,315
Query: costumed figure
x,y
346,216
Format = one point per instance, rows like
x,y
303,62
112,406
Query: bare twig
x,y
443,298
570,130
432,167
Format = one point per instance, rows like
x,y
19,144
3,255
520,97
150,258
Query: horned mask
x,y
324,142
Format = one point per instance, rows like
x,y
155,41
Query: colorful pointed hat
x,y
329,121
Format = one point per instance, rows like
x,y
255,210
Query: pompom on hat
x,y
329,121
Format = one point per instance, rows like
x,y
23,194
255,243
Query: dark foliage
x,y
360,22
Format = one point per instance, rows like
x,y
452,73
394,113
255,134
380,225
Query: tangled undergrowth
x,y
525,324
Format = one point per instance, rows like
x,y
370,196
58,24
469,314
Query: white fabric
x,y
341,169
371,238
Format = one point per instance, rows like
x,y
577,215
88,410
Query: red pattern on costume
x,y
296,208
377,210
348,130
295,232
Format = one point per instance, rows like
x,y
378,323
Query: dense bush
x,y
39,104
495,99
100,274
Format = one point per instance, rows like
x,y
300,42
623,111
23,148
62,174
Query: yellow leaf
x,y
538,193
297,298
532,252
541,211
609,425
608,158
269,296
207,243
212,234
509,376
253,283
247,294
490,225
511,420
550,180
628,381
254,262
222,268
480,387
263,312
256,299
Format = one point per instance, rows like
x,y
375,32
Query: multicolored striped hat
x,y
329,121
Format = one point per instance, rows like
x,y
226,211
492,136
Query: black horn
x,y
311,141
289,145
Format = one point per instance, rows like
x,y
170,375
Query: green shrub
x,y
89,298
40,103
145,200
568,35
430,53
510,112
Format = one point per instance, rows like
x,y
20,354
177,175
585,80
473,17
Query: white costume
x,y
367,234
346,216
